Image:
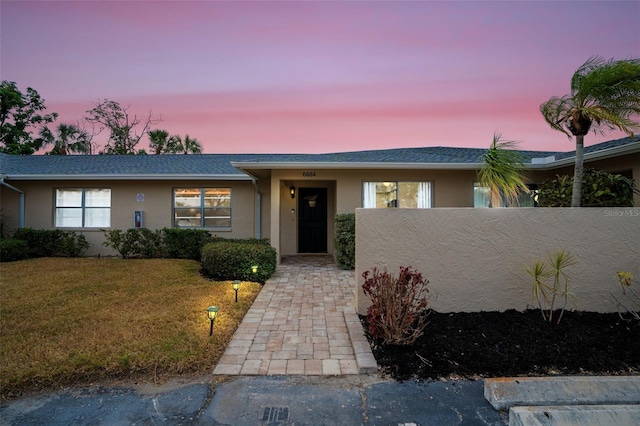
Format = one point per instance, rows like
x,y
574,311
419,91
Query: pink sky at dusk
x,y
314,77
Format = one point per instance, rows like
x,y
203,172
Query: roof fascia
x,y
233,177
602,154
345,165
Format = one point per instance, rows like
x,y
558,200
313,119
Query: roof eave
x,y
237,177
602,154
346,165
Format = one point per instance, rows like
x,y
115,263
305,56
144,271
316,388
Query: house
x,y
289,198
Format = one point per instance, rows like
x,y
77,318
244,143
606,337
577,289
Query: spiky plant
x,y
502,171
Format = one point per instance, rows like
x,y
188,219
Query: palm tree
x,y
187,146
604,94
160,141
502,172
68,139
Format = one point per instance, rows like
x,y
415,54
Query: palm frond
x,y
502,171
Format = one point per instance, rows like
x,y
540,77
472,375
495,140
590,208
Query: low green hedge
x,y
52,242
345,241
12,249
235,259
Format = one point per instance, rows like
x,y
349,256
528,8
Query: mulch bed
x,y
511,343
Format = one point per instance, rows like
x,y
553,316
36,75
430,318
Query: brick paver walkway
x,y
303,322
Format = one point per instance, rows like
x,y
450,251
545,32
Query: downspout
x,y
258,209
21,218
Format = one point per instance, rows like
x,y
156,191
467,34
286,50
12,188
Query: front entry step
x,y
504,393
575,415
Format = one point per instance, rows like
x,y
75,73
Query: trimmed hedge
x,y
167,242
13,249
234,259
345,241
52,242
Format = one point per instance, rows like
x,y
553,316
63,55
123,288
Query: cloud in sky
x,y
317,76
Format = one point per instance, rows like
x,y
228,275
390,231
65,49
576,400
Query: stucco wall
x,y
475,258
156,206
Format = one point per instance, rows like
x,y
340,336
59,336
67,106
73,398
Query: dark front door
x,y
312,220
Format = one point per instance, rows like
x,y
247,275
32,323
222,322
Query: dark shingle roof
x,y
219,166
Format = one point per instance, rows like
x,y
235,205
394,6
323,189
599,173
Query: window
x,y
482,196
397,194
202,207
83,208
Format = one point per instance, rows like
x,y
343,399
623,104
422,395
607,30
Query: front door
x,y
312,220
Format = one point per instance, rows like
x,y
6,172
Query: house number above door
x,y
308,174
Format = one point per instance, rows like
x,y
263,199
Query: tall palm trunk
x,y
576,195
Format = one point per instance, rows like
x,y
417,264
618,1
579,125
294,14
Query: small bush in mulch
x,y
512,343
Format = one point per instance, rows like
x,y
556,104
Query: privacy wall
x,y
475,259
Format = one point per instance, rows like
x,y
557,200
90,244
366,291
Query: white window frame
x,y
195,215
424,196
82,208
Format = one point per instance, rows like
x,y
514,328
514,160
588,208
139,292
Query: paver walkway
x,y
303,322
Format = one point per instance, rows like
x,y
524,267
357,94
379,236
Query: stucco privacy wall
x,y
475,258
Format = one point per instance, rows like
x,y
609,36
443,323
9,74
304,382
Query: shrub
x,y
599,189
13,249
235,259
629,301
345,241
41,242
184,243
52,242
398,312
72,244
126,243
551,281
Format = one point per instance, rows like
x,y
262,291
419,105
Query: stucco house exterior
x,y
291,199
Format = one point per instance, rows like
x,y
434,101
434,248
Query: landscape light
x,y
236,286
212,313
254,268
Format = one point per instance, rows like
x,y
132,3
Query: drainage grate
x,y
274,415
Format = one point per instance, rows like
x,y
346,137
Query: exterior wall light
x,y
236,286
292,191
212,313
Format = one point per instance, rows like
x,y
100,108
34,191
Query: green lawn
x,y
69,321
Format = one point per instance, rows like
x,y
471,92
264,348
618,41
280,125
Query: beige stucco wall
x,y
156,206
475,258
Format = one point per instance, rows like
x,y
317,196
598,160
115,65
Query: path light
x,y
254,268
236,287
212,312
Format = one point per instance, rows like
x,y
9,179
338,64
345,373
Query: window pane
x,y
386,194
97,198
481,195
187,198
188,217
68,217
69,198
217,222
217,197
97,218
408,194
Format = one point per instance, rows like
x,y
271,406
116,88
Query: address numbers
x,y
308,174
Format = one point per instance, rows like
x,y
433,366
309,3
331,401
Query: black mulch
x,y
511,343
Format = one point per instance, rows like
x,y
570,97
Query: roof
x,y
237,166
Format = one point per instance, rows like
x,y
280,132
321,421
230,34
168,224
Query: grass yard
x,y
70,321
